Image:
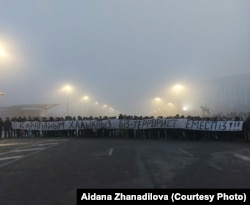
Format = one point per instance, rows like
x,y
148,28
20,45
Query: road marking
x,y
57,140
27,150
111,151
246,158
215,166
47,144
14,157
36,150
12,144
184,151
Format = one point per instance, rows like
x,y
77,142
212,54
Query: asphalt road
x,y
49,170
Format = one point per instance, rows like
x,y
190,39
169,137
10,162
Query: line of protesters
x,y
6,130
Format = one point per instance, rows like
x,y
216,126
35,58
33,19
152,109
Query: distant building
x,y
229,94
26,110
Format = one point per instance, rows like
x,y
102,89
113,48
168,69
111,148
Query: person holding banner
x,y
7,128
1,127
246,128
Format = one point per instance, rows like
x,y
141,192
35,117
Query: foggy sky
x,y
120,53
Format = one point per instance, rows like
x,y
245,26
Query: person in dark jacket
x,y
246,129
7,127
246,126
1,127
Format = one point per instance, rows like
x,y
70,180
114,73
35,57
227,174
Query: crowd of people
x,y
6,130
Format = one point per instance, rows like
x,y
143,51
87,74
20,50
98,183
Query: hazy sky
x,y
122,53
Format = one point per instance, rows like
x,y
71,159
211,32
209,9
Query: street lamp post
x,y
177,89
86,99
158,105
67,95
170,110
67,89
3,55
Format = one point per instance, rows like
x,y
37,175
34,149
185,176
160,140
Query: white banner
x,y
131,124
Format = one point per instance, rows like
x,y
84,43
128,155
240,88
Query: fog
x,y
125,54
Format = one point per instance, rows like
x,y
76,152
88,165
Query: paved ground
x,y
48,171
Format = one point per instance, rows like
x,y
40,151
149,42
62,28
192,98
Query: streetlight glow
x,y
170,104
178,87
85,98
157,99
157,105
6,55
184,108
2,52
67,88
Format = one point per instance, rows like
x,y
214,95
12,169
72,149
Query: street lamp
x,y
96,108
169,108
86,99
67,89
2,52
157,101
177,88
4,55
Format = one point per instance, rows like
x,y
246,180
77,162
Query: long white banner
x,y
131,124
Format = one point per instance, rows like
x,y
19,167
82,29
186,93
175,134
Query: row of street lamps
x,y
177,89
68,88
